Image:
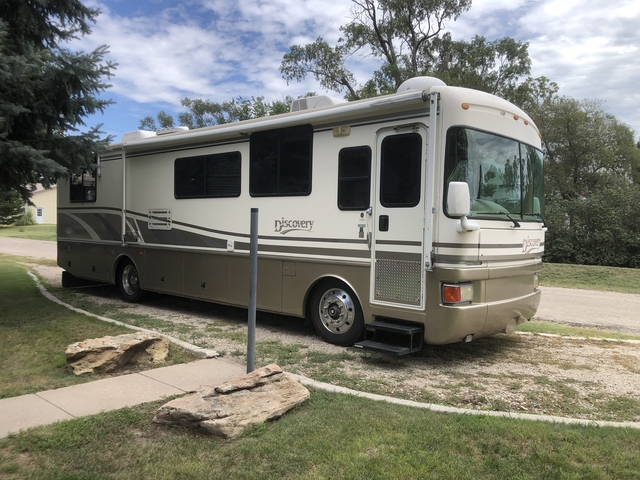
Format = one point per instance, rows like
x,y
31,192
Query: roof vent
x,y
318,101
167,131
137,135
420,83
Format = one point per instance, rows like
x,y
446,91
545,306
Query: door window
x,y
400,170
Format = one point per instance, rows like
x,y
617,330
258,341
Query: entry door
x,y
398,273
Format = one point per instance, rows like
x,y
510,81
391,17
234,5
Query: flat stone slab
x,y
107,354
230,408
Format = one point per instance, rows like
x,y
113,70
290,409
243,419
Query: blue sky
x,y
221,49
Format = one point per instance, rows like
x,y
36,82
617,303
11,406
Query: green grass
x,y
6,258
35,332
33,232
589,277
330,436
566,330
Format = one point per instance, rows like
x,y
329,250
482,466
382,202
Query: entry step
x,y
383,347
392,338
394,327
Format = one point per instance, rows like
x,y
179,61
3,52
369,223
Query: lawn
x,y
33,232
330,436
34,334
591,277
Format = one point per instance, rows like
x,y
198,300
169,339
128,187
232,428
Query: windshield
x,y
504,176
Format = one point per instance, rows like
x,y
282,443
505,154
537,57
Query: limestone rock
x,y
111,353
228,409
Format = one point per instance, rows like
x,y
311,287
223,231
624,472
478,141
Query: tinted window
x,y
83,187
401,164
208,176
280,162
354,178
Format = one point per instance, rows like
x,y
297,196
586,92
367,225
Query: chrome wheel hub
x,y
130,280
337,311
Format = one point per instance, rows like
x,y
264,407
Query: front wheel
x,y
128,282
336,313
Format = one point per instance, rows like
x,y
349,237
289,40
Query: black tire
x,y
128,282
336,313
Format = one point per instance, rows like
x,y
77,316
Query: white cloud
x,y
589,47
221,49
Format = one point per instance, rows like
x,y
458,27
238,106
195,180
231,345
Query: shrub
x,y
25,219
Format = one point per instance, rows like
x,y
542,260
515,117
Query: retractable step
x,y
392,338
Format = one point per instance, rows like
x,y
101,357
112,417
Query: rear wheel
x,y
128,282
336,313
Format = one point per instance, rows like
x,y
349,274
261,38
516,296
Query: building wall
x,y
47,201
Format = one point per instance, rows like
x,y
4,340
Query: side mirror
x,y
459,204
458,199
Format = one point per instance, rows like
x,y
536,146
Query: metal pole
x,y
253,287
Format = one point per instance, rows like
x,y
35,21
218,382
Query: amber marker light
x,y
451,294
457,293
465,106
516,117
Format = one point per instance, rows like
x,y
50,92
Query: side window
x,y
83,187
280,162
208,176
400,170
354,178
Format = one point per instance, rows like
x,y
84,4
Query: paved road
x,y
620,311
590,308
28,248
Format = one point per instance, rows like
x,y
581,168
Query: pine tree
x,y
46,91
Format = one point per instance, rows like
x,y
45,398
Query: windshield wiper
x,y
544,222
515,223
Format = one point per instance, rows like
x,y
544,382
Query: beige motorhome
x,y
386,222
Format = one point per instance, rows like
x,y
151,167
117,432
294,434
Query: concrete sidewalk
x,y
44,408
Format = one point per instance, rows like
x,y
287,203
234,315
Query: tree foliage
x,y
398,32
498,67
601,229
587,148
11,207
202,112
592,190
46,91
408,38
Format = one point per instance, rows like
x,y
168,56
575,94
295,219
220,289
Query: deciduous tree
x,y
398,32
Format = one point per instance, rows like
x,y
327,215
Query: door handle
x,y
383,223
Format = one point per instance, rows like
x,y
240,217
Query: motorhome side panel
x,y
89,228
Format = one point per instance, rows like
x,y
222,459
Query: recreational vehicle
x,y
386,222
